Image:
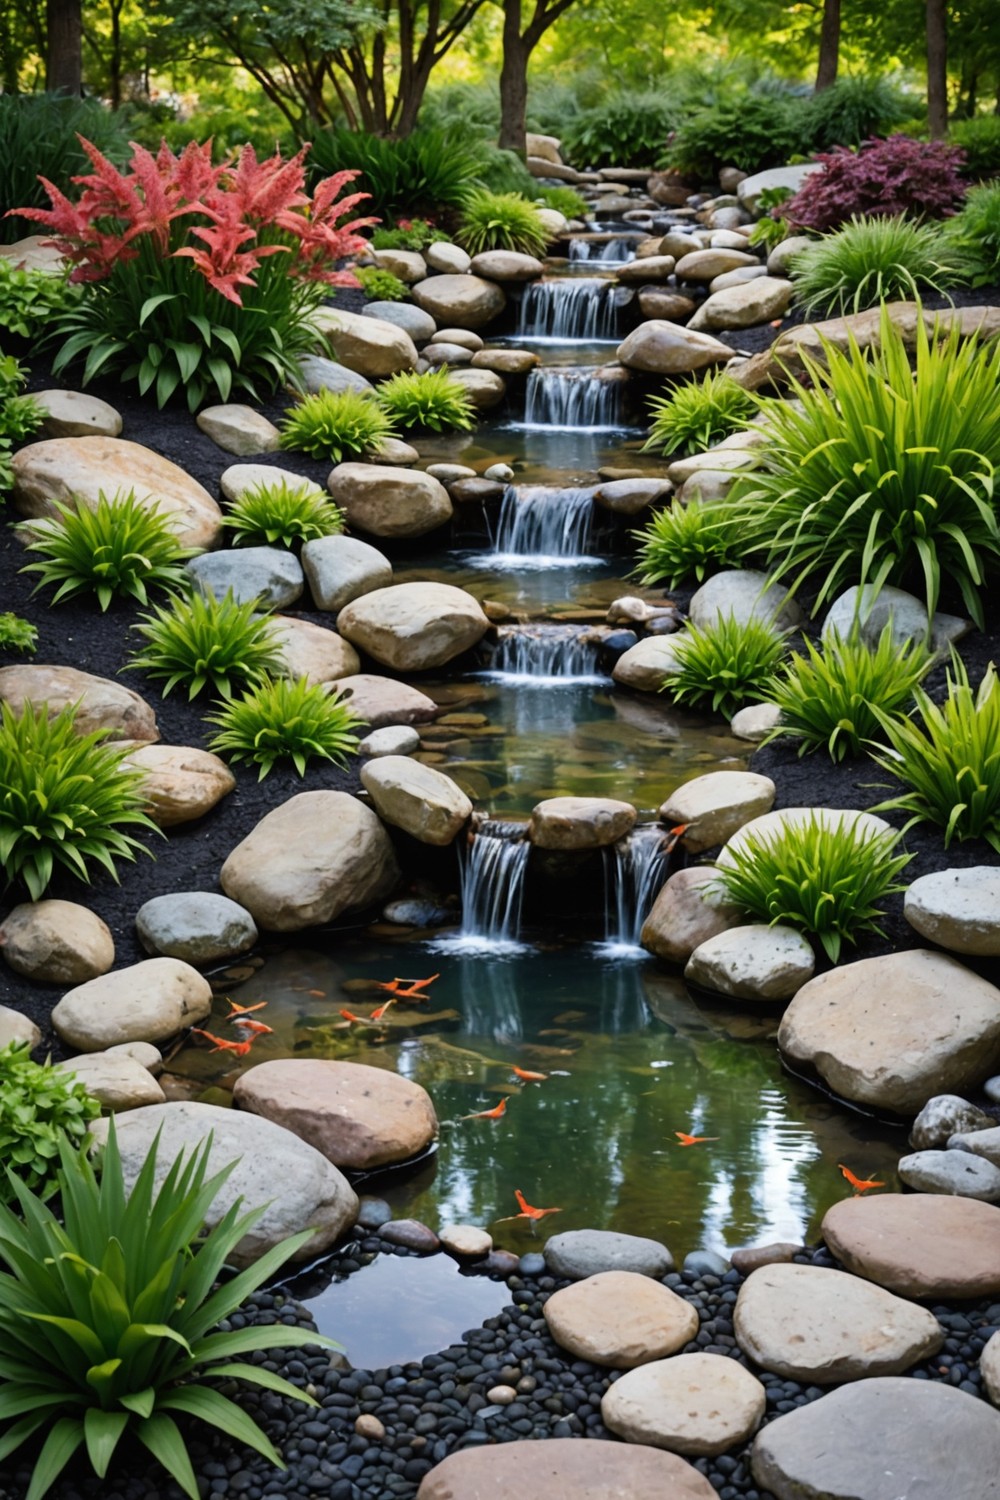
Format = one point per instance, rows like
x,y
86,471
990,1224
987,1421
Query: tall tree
x,y
937,68
64,46
520,39
829,46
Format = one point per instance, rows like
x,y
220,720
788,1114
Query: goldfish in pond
x,y
857,1183
242,1010
527,1211
692,1140
526,1077
497,1113
257,1028
239,1049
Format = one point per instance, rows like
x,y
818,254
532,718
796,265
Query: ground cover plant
x,y
725,664
565,200
16,633
431,169
337,425
40,1105
285,719
769,229
380,285
979,139
199,279
694,416
201,641
868,261
65,798
501,221
282,515
30,299
20,416
854,109
683,542
407,234
432,399
624,129
880,179
750,131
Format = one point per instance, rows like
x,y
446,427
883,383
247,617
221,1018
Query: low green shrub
x,y
30,299
769,230
725,664
282,515
201,641
408,234
565,200
979,138
830,699
20,416
379,285
336,425
853,109
868,261
433,401
286,719
949,764
39,1106
683,542
503,172
122,547
625,129
109,1321
692,417
974,234
39,137
65,799
821,876
430,169
501,221
749,131
17,634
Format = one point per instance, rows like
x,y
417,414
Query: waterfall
x,y
545,656
493,866
578,307
634,870
541,526
616,251
574,397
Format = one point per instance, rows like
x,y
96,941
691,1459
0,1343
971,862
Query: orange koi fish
x,y
242,1010
856,1183
497,1113
349,1015
256,1028
239,1049
693,1140
381,1010
526,1077
412,992
527,1211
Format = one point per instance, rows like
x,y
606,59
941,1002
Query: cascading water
x,y
576,397
616,251
492,869
540,526
577,307
634,870
545,656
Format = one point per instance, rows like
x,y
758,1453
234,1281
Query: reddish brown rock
x,y
561,1468
920,1244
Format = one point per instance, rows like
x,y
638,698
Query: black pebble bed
x,y
438,1405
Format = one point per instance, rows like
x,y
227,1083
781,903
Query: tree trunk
x,y
829,46
937,69
513,81
64,55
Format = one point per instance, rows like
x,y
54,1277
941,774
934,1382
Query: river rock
x,y
413,320
450,260
115,1079
100,703
928,1438
447,354
714,806
422,801
77,470
857,609
407,265
506,265
505,361
658,347
466,1241
394,739
781,260
958,909
199,927
269,575
745,305
379,701
412,1235
658,302
989,1368
594,1470
239,429
479,490
621,1319
180,782
690,909
755,722
739,277
319,374
72,414
308,860
960,1173
412,627
465,300
822,1327
944,1116
705,265
298,1188
647,665
580,822
693,1403
389,502
579,1253
57,942
239,479
747,595
769,825
981,1140
312,651
342,568
920,1245
891,1032
650,268
627,497
463,337
394,453
146,1002
752,1257
358,1117
484,388
718,460
17,1028
753,963
370,346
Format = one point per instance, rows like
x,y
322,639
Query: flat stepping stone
x,y
885,1439
560,1468
694,1404
146,1002
621,1319
959,909
919,1245
823,1327
579,1253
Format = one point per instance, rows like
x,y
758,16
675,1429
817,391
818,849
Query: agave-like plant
x,y
726,663
690,418
282,513
684,541
202,640
336,425
286,719
430,399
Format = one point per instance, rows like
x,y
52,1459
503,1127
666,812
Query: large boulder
x,y
271,576
746,304
57,942
78,470
315,856
73,414
506,265
918,1244
180,782
342,568
463,301
369,346
115,1079
413,627
297,1187
312,651
147,1002
419,799
749,190
747,595
657,347
958,909
391,502
100,703
580,822
200,927
753,963
594,1470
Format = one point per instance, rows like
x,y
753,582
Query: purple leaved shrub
x,y
883,177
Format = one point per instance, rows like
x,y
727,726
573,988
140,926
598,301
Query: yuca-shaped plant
x,y
684,541
949,764
869,261
286,719
832,698
202,641
109,1320
64,799
282,514
878,474
690,418
820,875
433,400
122,546
336,425
501,221
40,1105
726,664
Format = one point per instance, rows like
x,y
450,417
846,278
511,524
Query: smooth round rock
x,y
958,909
484,388
464,337
579,1253
313,651
388,502
564,1467
962,1173
394,739
919,1245
199,927
467,301
466,1241
380,701
989,1368
506,265
447,354
714,806
17,1028
621,1319
370,346
580,822
181,783
753,962
944,1116
647,665
421,800
239,429
746,595
341,568
412,1235
413,320
755,722
58,942
319,374
73,414
269,575
690,909
658,347
146,1002
118,1081
693,1404
239,479
414,626
99,702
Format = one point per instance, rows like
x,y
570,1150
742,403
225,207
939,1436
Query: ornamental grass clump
x,y
877,474
124,546
336,425
433,401
683,542
725,664
822,875
692,417
501,221
949,763
974,234
282,514
65,799
286,719
868,261
109,1321
198,279
40,1105
831,699
201,641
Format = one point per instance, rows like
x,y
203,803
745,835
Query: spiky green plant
x,y
286,719
692,417
336,425
682,542
203,641
831,699
433,400
949,763
974,233
868,261
282,513
109,1320
726,663
501,221
64,799
40,1105
17,634
823,876
123,546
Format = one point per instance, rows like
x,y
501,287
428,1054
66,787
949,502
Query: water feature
x,y
493,864
579,397
575,307
529,656
541,526
613,250
634,870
